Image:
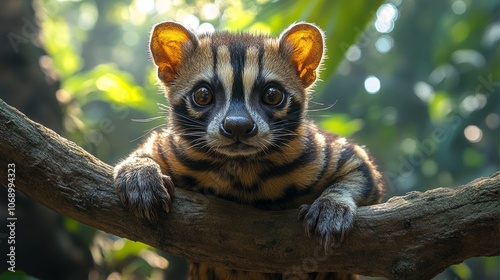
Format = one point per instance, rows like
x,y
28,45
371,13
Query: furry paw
x,y
328,218
142,187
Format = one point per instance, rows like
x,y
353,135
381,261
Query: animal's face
x,y
237,94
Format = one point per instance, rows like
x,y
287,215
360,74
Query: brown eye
x,y
202,96
272,96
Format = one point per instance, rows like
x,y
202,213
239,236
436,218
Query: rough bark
x,y
411,237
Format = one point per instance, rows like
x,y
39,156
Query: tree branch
x,y
411,237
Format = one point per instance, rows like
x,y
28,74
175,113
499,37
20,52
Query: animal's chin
x,y
238,149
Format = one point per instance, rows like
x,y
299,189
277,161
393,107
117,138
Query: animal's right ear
x,y
170,44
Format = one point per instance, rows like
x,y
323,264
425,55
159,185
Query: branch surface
x,y
411,237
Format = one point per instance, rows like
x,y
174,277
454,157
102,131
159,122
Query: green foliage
x,y
85,232
462,271
439,107
341,124
129,259
433,121
67,61
342,21
17,275
106,82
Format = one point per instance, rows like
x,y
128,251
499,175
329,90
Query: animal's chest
x,y
255,183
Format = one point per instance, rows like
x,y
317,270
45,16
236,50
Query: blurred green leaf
x,y
342,125
239,15
462,270
342,21
473,158
107,83
439,107
491,265
59,45
128,248
84,231
18,275
460,31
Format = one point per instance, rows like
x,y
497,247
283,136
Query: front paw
x,y
142,187
328,218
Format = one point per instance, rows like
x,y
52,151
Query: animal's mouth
x,y
238,148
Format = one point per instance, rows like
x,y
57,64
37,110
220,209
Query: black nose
x,y
238,127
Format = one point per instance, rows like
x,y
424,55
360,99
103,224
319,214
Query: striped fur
x,y
238,129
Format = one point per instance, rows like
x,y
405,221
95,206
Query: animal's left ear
x,y
305,43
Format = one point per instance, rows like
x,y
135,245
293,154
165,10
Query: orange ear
x,y
305,42
170,43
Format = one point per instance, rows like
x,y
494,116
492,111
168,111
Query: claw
x,y
170,189
327,218
169,185
142,187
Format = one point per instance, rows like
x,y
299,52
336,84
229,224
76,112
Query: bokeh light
x,y
353,54
386,16
384,43
372,84
459,7
473,133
